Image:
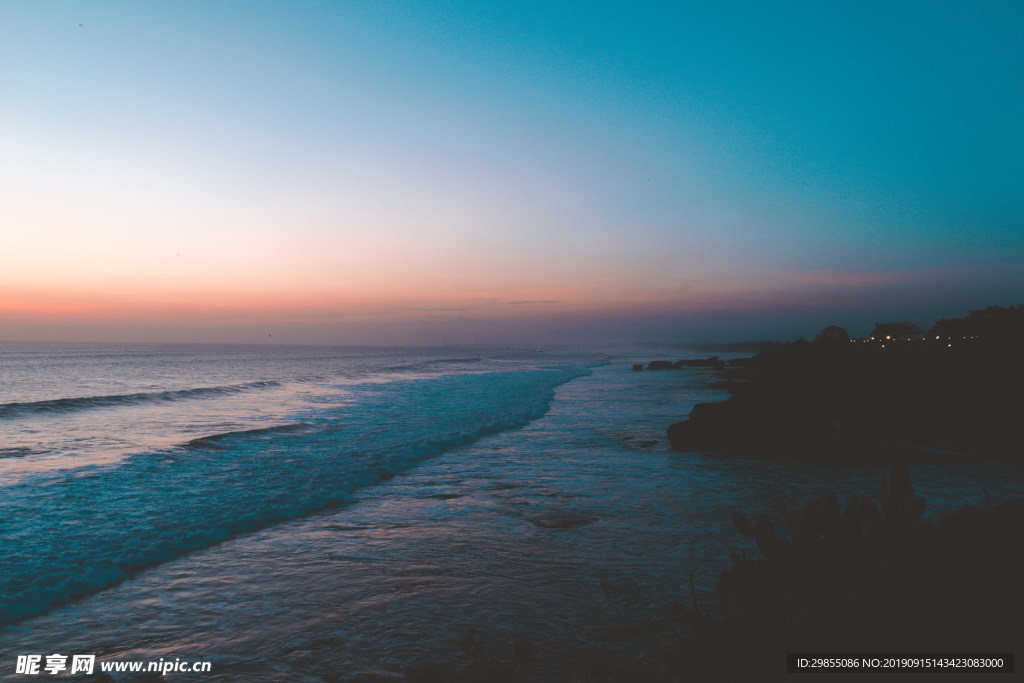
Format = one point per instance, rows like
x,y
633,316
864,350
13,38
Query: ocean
x,y
342,513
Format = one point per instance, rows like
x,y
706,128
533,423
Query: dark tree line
x,y
995,323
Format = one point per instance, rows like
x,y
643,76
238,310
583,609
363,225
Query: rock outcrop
x,y
817,399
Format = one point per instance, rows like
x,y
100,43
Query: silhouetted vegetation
x,y
896,330
883,400
862,577
992,323
832,334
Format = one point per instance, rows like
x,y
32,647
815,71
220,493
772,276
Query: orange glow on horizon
x,y
378,309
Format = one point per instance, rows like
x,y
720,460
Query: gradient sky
x,y
377,172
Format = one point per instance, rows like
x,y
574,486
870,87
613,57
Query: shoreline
x,y
576,533
916,403
861,577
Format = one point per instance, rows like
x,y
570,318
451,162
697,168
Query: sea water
x,y
338,513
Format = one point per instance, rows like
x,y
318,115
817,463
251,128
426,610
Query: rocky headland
x,y
926,397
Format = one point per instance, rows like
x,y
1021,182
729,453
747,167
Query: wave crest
x,y
67,405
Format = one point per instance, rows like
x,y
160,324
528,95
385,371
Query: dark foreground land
x,y
862,577
914,400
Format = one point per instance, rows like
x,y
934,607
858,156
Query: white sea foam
x,y
79,530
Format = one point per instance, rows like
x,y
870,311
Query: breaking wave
x,y
73,532
65,405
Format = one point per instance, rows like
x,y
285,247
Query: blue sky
x,y
395,172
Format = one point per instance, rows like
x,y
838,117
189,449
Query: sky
x,y
525,172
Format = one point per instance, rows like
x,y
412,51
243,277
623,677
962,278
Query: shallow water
x,y
395,573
